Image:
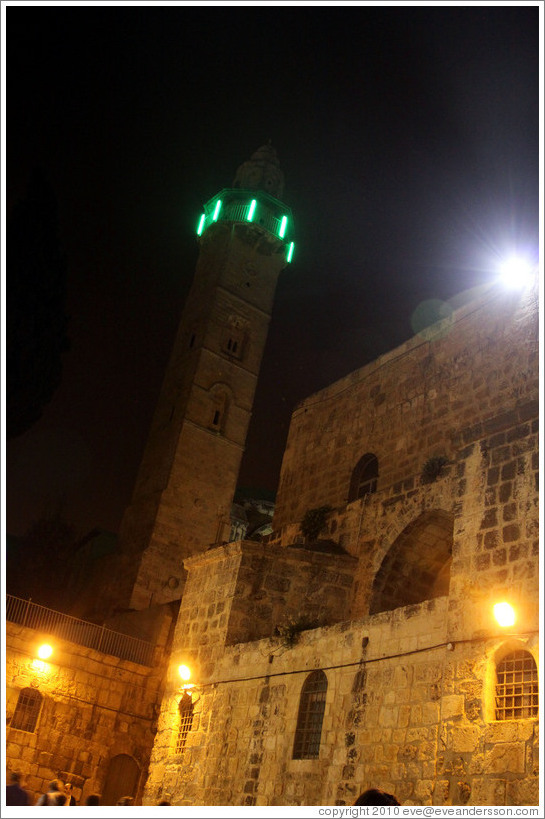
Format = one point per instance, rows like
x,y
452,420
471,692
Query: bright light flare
x,y
505,614
45,651
515,272
185,672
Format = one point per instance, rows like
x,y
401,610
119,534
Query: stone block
x,y
430,713
464,739
487,791
452,706
508,731
423,791
523,791
507,757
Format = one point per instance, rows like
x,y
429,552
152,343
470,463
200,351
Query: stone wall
x,y
479,367
396,717
410,644
95,707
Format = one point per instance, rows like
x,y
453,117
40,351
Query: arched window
x,y
516,687
364,477
185,708
311,714
27,710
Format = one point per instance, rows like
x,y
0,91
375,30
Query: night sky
x,y
409,141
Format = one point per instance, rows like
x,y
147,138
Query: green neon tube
x,y
251,212
290,252
201,225
216,211
283,226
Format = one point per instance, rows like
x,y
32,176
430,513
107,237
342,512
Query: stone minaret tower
x,y
188,475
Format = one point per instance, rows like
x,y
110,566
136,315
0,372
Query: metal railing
x,y
267,213
32,615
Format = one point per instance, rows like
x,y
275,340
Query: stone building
x,y
371,656
355,645
87,713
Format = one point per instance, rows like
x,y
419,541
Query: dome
x,y
261,172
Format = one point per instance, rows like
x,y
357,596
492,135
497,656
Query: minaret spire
x,y
189,471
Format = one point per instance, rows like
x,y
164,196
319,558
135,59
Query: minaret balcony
x,y
253,207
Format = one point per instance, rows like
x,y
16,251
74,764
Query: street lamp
x,y
515,272
185,672
505,614
45,651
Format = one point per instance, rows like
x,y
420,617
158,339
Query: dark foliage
x,y
36,327
314,520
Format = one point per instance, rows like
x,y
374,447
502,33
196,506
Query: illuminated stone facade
x,y
394,602
95,714
424,465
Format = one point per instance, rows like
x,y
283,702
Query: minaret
x,y
188,475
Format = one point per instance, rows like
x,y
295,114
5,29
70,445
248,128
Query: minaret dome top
x,y
261,172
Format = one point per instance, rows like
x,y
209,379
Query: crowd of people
x,y
60,793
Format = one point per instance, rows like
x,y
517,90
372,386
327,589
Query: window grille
x,y
186,722
27,710
516,687
311,714
364,477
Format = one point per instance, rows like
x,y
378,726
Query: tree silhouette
x,y
36,326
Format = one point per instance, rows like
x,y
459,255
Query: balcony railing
x,y
250,207
81,632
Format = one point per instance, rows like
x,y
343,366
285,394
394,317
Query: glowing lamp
x,y
504,614
283,226
515,272
201,224
45,651
185,672
290,252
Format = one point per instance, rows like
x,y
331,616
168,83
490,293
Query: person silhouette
x,y
376,796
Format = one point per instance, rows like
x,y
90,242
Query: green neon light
x,y
201,225
283,226
216,211
251,212
290,252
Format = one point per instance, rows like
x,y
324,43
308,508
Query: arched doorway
x,y
417,565
121,780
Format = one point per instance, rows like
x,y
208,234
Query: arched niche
x,y
417,565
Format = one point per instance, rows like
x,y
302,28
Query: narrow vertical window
x,y
516,687
185,709
311,714
218,410
27,710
